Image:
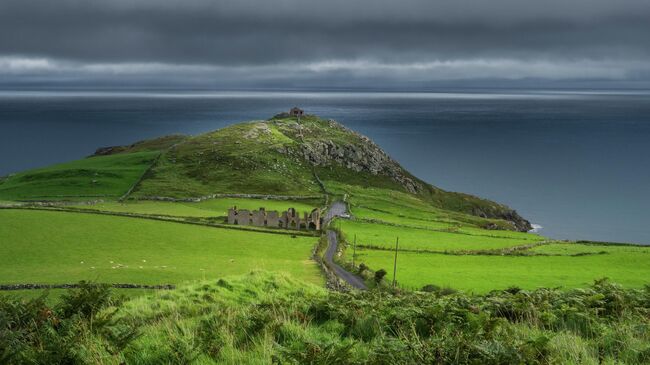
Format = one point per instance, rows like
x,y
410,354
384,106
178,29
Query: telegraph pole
x,y
354,252
395,263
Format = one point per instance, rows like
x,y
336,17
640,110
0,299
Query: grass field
x,y
62,247
384,236
480,274
102,176
207,208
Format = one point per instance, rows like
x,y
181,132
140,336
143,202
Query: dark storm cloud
x,y
297,38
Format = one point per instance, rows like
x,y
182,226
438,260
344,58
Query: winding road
x,y
338,209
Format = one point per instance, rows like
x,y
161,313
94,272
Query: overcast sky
x,y
293,43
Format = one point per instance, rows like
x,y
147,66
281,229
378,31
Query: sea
x,y
574,163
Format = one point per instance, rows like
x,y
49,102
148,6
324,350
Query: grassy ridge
x,y
61,247
155,144
101,176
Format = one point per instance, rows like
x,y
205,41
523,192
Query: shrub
x,y
33,332
363,267
379,275
447,291
431,288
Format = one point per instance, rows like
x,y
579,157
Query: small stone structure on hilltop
x,y
289,219
296,112
293,112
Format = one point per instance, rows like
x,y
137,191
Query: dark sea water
x,y
576,163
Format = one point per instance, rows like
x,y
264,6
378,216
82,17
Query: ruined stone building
x,y
293,112
296,112
289,219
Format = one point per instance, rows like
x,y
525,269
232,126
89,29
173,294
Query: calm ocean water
x,y
575,163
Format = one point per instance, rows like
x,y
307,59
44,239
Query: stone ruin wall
x,y
289,219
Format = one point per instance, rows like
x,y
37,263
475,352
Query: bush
x,y
447,291
431,288
363,267
379,275
33,332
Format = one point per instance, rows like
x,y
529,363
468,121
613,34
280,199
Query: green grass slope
x,y
265,318
243,158
101,176
64,247
154,144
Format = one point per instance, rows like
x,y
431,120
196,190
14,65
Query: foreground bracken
x,y
272,318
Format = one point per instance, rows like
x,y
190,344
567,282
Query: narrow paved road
x,y
338,209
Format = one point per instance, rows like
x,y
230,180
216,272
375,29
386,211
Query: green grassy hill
x,y
280,156
93,177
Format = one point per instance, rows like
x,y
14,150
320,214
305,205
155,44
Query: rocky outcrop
x,y
105,151
509,215
520,223
257,130
365,157
360,154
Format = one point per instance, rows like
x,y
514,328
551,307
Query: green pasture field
x,y
101,176
207,208
381,235
65,247
481,273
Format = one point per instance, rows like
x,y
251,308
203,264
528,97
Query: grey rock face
x,y
363,156
509,215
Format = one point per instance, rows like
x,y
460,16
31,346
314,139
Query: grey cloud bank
x,y
284,42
